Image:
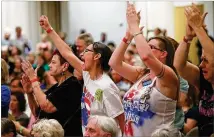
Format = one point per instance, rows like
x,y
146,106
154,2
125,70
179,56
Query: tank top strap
x,y
153,82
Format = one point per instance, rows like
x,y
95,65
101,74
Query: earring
x,y
62,73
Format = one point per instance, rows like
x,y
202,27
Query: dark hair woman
x,y
53,104
17,107
100,95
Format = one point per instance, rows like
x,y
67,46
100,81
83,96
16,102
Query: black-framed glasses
x,y
153,47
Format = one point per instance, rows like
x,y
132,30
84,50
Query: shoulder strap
x,y
69,119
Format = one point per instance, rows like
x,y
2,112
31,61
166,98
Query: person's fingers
x,y
195,8
28,63
141,28
188,10
25,78
186,13
23,66
204,16
127,3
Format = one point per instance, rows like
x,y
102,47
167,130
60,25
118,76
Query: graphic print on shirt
x,y
136,110
86,101
99,95
206,105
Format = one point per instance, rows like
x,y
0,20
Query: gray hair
x,y
107,124
48,128
167,131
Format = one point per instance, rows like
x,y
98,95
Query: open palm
x,y
26,84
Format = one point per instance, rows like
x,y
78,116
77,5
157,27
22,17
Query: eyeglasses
x,y
87,50
153,47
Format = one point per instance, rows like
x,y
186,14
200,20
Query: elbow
x,y
146,57
112,63
43,106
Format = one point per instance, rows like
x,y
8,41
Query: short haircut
x,y
7,126
48,128
62,60
87,38
166,131
107,124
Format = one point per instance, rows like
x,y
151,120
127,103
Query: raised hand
x,y
28,70
26,84
133,18
44,23
129,36
194,18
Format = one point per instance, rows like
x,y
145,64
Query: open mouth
x,y
204,72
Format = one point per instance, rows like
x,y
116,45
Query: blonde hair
x,y
4,72
87,38
48,128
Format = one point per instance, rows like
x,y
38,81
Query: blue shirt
x,y
5,100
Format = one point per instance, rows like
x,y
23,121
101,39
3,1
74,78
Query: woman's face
x,y
14,50
56,68
13,103
156,49
18,63
207,67
88,58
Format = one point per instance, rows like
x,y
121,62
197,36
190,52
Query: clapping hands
x,y
133,19
194,17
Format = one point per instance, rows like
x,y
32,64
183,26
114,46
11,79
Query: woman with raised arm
x,y
100,95
201,77
151,102
53,104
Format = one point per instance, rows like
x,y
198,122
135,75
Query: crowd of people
x,y
147,88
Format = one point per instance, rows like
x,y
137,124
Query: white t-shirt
x,y
100,97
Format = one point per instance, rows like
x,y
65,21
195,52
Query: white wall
x,y
209,20
97,17
157,14
24,14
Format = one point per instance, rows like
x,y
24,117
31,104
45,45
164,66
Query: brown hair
x,y
4,72
167,45
87,38
174,42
